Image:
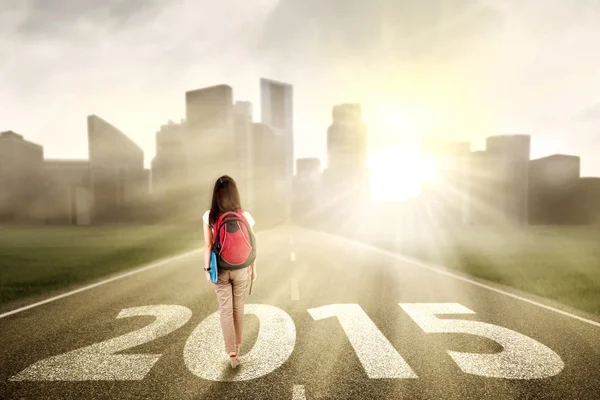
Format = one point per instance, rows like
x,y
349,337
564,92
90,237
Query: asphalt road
x,y
327,318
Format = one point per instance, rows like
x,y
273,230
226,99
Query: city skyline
x,y
534,75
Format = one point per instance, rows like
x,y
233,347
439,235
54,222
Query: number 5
x,y
521,358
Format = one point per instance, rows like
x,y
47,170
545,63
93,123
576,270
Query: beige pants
x,y
231,295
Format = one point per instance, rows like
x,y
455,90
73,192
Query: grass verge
x,y
39,259
558,263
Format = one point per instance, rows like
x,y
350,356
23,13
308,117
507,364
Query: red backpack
x,y
234,244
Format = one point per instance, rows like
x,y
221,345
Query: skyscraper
x,y
268,166
170,178
276,100
346,173
212,149
242,111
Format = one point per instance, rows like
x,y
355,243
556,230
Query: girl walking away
x,y
229,235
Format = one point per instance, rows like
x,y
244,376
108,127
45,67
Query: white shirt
x,y
246,214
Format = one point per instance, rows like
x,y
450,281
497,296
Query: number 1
x,y
376,354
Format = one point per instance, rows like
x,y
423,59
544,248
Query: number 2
x,y
98,361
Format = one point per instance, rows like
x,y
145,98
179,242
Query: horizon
x,y
463,71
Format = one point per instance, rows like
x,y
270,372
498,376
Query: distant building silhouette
x,y
212,147
347,143
346,173
509,157
553,190
276,99
588,199
345,181
242,111
269,201
170,175
118,178
21,179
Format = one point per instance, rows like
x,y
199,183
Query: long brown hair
x,y
225,198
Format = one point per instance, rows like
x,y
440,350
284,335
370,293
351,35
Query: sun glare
x,y
396,175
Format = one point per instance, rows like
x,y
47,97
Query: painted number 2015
x,y
521,358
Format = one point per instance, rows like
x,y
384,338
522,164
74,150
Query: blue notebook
x,y
213,267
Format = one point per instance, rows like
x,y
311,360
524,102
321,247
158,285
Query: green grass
x,y
39,259
558,263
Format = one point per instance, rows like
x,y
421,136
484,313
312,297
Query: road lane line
x,y
114,278
293,256
442,271
294,289
298,393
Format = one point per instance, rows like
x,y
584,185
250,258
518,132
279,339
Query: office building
x,y
510,154
347,143
277,112
242,111
21,179
269,200
211,141
117,172
170,165
553,186
588,198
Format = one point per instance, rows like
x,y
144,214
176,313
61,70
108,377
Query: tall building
x,y
242,111
446,195
276,100
346,174
511,192
21,179
211,146
170,165
269,189
553,190
347,142
117,171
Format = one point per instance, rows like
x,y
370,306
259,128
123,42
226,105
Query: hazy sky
x,y
463,69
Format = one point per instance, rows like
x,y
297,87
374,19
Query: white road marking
x,y
99,361
295,292
442,271
521,357
298,393
156,264
378,357
204,352
293,256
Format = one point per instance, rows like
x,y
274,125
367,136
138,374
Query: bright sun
x,y
396,175
398,169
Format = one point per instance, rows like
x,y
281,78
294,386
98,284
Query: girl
x,y
231,285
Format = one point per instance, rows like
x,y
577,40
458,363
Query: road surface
x,y
327,318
